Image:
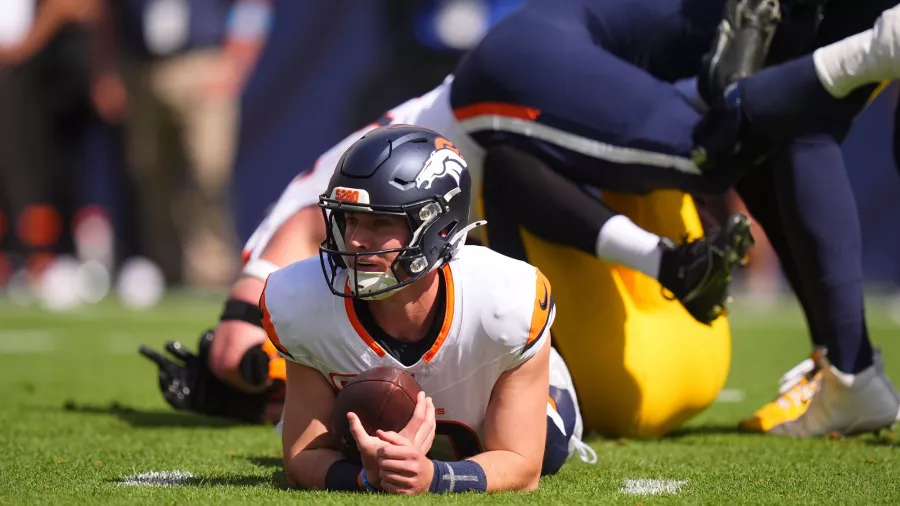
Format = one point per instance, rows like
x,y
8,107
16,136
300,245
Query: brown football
x,y
383,398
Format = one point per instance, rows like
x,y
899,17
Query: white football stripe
x,y
583,145
156,479
646,486
731,395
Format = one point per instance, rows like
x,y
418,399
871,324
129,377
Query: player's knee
x,y
561,418
556,451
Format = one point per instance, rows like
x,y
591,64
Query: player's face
x,y
372,232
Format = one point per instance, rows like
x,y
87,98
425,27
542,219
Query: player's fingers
x,y
381,449
393,438
356,428
155,356
393,451
393,468
177,349
418,417
425,446
426,430
399,482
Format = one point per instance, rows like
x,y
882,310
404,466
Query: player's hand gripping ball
x,y
384,398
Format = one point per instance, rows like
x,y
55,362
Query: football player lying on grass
x,y
471,326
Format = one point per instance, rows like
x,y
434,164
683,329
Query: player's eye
x,y
351,219
383,223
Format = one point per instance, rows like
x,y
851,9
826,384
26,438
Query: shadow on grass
x,y
266,462
888,439
142,419
276,466
706,430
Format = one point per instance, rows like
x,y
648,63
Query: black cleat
x,y
741,45
698,273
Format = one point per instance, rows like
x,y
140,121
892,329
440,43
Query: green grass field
x,y
80,411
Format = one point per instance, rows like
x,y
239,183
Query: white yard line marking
x,y
27,341
157,479
645,486
731,395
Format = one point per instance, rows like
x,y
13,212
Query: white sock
x,y
622,242
845,65
864,58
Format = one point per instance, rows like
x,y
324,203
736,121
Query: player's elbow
x,y
527,476
293,472
223,361
294,477
531,478
230,347
289,478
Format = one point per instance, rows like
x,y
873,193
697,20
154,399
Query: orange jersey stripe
x,y
358,326
496,109
442,335
543,303
267,323
448,316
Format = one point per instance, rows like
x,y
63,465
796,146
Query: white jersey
x,y
431,110
498,315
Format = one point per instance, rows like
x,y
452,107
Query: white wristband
x,y
259,269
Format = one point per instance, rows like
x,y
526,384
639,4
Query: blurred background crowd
x,y
136,145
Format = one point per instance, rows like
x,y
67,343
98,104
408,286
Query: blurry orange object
x,y
39,225
5,269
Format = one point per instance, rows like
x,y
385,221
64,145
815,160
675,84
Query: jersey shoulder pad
x,y
291,296
514,298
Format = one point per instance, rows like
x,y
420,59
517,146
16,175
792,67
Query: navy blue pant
x,y
556,448
543,84
583,86
592,116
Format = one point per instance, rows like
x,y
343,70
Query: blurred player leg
x,y
208,123
155,159
812,228
819,213
817,233
796,388
30,162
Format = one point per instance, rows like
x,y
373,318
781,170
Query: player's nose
x,y
359,241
